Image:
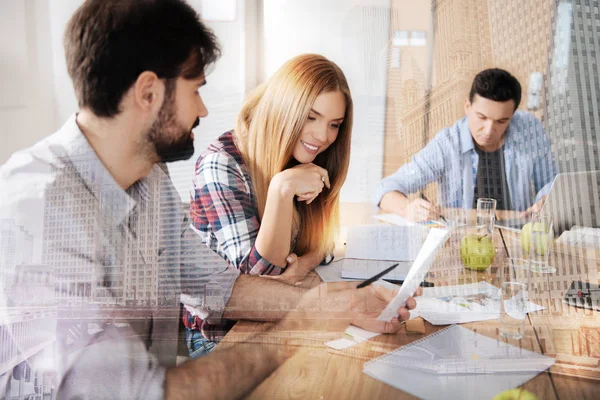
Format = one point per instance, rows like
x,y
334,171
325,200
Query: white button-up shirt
x,y
110,265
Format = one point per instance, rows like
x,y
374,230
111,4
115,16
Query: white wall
x,y
38,94
223,95
59,14
27,105
353,34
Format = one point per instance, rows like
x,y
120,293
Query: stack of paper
x,y
459,304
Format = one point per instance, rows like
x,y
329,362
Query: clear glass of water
x,y
486,217
541,241
514,279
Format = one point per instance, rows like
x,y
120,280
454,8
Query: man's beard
x,y
171,141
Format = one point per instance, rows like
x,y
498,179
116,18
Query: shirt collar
x,y
466,140
115,203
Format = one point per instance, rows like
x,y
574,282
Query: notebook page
x,y
383,242
458,362
364,269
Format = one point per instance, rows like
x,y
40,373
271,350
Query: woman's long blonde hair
x,y
268,128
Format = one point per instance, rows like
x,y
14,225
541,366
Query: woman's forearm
x,y
275,233
311,260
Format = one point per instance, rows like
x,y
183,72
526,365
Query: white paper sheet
x,y
384,242
331,272
365,269
394,219
354,336
581,236
434,241
360,335
340,344
459,363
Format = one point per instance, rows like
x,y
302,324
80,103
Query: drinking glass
x,y
486,217
514,279
541,241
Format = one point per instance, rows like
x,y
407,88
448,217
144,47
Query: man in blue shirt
x,y
494,151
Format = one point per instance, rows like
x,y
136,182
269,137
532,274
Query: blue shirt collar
x,y
466,140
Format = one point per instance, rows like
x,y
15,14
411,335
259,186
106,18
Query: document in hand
x,y
459,363
434,241
384,242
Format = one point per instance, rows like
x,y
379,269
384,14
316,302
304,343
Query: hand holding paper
x,y
341,303
435,240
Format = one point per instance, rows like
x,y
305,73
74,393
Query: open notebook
x,y
458,362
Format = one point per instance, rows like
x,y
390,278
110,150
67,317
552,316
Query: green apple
x,y
477,252
515,394
541,245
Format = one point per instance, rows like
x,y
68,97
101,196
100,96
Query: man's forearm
x,y
394,202
230,373
261,299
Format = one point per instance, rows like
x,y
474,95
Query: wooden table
x,y
569,334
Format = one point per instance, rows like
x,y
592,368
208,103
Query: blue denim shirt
x,y
450,160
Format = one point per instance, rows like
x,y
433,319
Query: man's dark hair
x,y
496,84
109,43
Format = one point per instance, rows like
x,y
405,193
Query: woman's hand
x,y
305,181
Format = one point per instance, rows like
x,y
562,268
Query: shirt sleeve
x,y
425,167
114,367
206,279
110,362
222,204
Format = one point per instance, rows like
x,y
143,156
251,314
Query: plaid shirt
x,y
224,213
223,207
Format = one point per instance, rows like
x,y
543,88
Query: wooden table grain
x,y
568,334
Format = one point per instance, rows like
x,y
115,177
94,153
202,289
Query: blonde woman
x,y
266,195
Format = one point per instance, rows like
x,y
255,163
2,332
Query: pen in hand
x,y
376,277
427,200
399,282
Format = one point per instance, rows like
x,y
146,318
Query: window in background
x,y
218,11
401,38
409,38
418,38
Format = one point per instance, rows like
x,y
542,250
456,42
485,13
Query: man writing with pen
x,y
494,151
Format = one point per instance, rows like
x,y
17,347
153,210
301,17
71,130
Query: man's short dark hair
x,y
109,43
496,84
